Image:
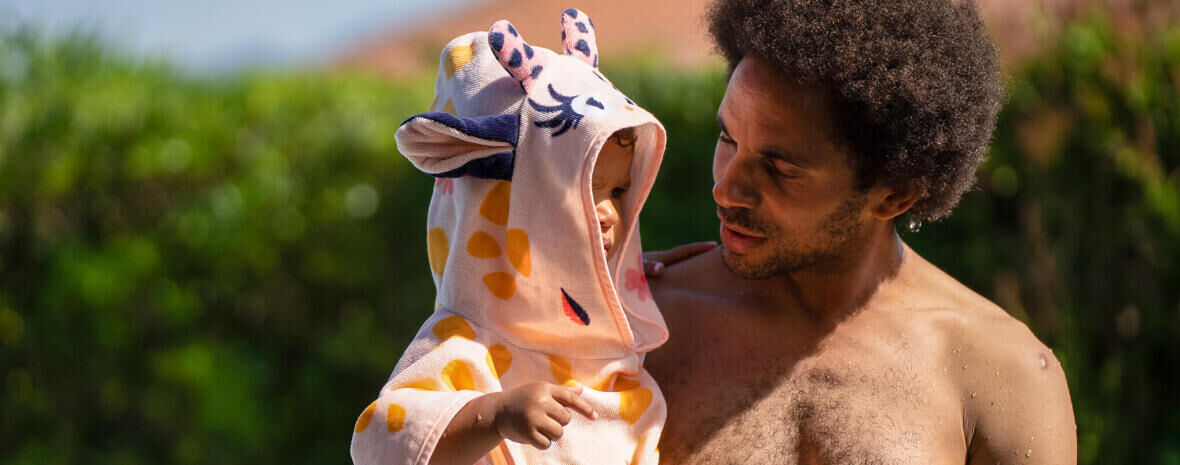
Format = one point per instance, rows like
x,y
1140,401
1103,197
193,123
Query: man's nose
x,y
607,215
734,188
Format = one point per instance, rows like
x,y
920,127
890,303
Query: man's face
x,y
784,189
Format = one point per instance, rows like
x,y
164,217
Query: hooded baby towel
x,y
525,292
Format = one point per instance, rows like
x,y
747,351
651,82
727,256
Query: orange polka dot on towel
x,y
625,384
362,422
453,326
457,57
518,251
422,385
560,368
502,285
495,205
633,403
395,417
437,249
457,376
499,360
483,245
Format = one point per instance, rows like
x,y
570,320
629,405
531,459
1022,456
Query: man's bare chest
x,y
807,405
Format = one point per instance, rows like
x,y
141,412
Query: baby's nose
x,y
607,215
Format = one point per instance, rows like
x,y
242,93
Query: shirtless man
x,y
814,335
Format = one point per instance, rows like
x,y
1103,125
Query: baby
x,y
534,353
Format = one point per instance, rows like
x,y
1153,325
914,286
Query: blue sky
x,y
213,36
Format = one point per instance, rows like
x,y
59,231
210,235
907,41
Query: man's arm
x,y
1023,413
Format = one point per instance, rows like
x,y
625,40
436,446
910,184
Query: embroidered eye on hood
x,y
513,237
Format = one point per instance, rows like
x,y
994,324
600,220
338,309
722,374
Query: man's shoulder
x,y
968,321
963,314
694,276
1009,379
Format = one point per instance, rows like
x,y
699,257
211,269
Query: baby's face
x,y
612,178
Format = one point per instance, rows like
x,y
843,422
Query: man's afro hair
x,y
915,83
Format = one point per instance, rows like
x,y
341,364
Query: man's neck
x,y
829,293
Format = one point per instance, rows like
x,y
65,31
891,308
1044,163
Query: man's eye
x,y
780,168
725,139
617,193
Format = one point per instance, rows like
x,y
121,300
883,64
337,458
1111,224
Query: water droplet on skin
x,y
1032,438
997,373
973,395
1028,453
1044,363
905,345
964,367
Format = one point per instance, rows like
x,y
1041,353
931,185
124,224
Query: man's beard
x,y
788,254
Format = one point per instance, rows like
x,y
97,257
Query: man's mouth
x,y
738,239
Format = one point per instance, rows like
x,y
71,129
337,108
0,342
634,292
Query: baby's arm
x,y
445,404
531,414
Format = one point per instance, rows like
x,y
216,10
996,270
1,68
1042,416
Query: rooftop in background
x,y
403,37
674,28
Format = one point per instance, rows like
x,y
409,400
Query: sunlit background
x,y
211,251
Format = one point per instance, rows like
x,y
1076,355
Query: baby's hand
x,y
654,262
535,413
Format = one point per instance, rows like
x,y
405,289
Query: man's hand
x,y
535,413
654,262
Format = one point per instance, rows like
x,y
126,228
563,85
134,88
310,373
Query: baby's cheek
x,y
615,236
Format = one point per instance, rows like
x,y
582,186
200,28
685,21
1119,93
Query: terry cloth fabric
x,y
525,292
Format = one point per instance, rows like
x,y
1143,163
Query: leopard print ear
x,y
514,54
577,36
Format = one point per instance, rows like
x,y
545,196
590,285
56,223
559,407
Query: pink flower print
x,y
446,184
637,281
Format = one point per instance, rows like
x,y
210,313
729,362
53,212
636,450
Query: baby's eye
x,y
617,193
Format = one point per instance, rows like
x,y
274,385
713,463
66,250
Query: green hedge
x,y
225,271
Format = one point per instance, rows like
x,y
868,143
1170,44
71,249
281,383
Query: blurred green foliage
x,y
196,271
1077,230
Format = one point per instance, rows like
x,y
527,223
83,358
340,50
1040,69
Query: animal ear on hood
x,y
515,55
448,146
577,36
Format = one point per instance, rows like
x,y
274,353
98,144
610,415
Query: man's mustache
x,y
744,218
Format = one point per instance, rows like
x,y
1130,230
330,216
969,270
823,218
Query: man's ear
x,y
891,201
447,146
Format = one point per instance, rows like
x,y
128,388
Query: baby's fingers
x,y
539,440
559,413
550,428
571,398
654,262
